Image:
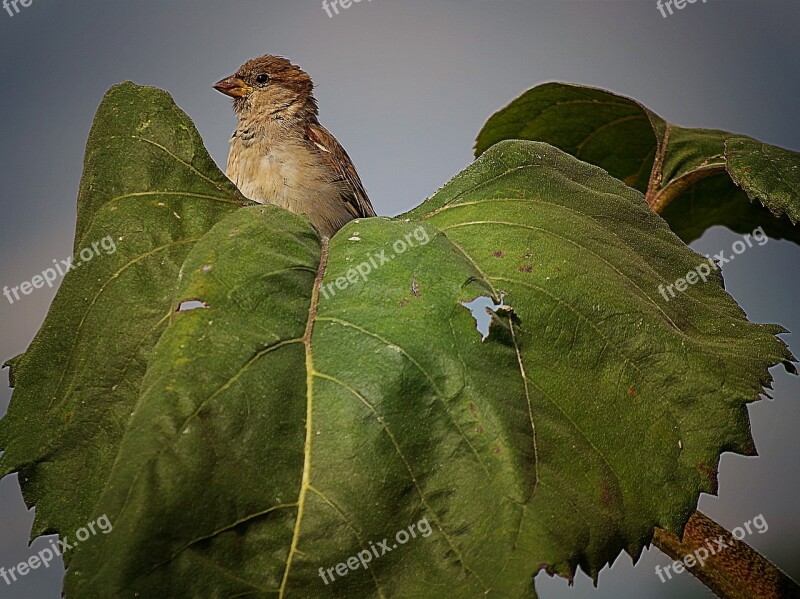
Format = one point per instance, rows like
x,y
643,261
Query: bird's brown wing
x,y
354,197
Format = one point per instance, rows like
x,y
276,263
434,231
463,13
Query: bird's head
x,y
272,87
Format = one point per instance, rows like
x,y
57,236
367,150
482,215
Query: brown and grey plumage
x,y
280,153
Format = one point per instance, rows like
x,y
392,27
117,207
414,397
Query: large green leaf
x,y
695,178
150,187
295,418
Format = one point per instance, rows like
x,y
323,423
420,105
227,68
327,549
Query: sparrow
x,y
280,154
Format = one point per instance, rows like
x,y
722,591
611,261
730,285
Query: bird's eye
x,y
262,78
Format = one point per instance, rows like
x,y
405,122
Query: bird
x,y
281,154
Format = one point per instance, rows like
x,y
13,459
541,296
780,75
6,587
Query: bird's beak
x,y
233,86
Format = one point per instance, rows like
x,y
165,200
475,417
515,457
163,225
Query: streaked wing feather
x,y
354,196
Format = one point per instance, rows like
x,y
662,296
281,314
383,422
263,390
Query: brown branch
x,y
735,571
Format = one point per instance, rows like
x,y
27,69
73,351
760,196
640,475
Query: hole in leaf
x,y
189,305
482,309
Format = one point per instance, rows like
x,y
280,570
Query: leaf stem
x,y
660,198
735,571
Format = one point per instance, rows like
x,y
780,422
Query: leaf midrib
x,y
305,479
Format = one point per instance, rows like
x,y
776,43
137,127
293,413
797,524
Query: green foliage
x,y
288,421
696,178
150,184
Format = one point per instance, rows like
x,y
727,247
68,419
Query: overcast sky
x,y
405,86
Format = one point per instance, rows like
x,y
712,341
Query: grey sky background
x,y
406,86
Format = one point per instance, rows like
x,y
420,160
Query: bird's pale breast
x,y
287,171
